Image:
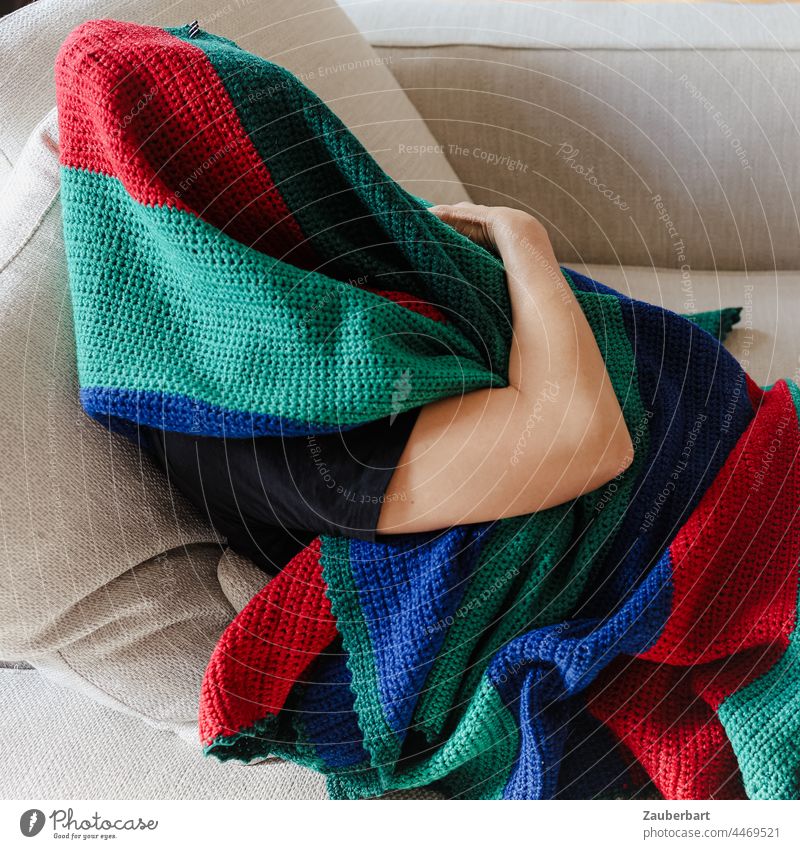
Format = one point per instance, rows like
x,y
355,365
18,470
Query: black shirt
x,y
271,495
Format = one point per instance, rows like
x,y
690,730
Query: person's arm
x,y
554,433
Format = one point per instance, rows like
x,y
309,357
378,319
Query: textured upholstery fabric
x,y
239,577
27,47
59,744
140,643
46,756
587,113
5,168
313,38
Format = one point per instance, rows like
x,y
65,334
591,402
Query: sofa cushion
x,y
61,745
313,38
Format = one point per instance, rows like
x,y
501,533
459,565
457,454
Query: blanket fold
x,y
239,265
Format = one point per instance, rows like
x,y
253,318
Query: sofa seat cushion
x,y
61,745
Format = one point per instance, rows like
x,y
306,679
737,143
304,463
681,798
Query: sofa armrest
x,y
654,134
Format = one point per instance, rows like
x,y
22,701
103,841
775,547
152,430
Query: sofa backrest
x,y
652,134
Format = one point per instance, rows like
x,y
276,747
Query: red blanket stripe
x,y
687,758
721,606
179,142
412,303
280,632
729,623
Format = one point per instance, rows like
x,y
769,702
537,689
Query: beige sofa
x,y
658,143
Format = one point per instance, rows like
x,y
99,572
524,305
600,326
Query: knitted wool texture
x,y
239,266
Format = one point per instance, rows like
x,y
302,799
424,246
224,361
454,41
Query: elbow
x,y
592,446
621,449
598,443
608,448
584,461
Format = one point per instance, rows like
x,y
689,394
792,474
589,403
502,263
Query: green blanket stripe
x,y
268,108
243,332
718,323
476,759
484,743
762,720
280,736
442,257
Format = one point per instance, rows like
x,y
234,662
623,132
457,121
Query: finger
x,y
468,212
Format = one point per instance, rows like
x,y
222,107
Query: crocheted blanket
x,y
240,265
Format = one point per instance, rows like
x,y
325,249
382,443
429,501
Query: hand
x,y
492,227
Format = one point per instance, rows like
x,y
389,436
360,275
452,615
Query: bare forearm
x,y
553,344
555,432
